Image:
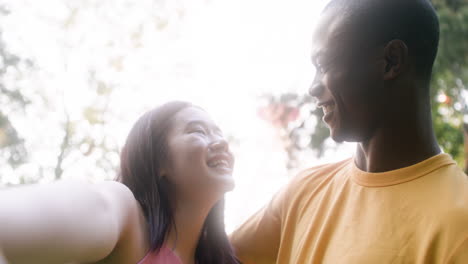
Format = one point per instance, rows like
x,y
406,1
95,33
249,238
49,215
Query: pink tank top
x,y
164,256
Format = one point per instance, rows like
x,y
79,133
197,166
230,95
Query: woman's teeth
x,y
218,163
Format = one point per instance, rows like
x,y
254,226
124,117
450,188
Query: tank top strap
x,y
163,256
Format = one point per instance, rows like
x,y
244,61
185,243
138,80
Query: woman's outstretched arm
x,y
63,222
2,258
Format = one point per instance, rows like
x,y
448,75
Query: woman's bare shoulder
x,y
133,240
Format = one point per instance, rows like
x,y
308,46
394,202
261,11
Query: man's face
x,y
348,83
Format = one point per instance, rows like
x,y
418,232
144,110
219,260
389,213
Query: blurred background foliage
x,y
12,148
79,137
448,90
66,93
293,114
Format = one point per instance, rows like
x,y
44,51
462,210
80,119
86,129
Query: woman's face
x,y
200,163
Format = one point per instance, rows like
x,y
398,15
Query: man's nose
x,y
317,87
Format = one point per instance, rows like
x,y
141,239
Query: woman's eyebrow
x,y
217,130
195,123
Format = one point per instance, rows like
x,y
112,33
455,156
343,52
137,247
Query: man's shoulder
x,y
454,204
323,169
319,173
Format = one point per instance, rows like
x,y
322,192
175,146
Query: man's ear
x,y
162,172
396,58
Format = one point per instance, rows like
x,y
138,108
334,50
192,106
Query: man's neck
x,y
405,141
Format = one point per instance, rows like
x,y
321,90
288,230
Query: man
x,y
399,199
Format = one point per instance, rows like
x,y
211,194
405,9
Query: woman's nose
x,y
219,144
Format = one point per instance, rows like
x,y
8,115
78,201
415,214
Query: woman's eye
x,y
199,131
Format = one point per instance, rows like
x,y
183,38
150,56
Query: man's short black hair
x,y
379,21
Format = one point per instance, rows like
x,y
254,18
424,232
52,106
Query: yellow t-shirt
x,y
337,214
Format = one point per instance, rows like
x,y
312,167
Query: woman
x,y
168,208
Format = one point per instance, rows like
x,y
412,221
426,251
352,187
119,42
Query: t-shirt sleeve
x,y
257,240
460,255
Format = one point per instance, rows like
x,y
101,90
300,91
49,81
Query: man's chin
x,y
337,138
336,134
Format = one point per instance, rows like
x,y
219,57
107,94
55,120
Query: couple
x,y
398,200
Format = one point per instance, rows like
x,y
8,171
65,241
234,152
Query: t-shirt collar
x,y
398,176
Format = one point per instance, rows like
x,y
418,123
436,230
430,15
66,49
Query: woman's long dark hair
x,y
144,154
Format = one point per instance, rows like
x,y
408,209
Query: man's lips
x,y
327,106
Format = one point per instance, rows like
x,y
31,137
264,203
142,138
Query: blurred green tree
x,y
77,134
12,147
450,76
70,130
448,93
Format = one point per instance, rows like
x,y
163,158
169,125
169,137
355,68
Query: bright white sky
x,y
218,54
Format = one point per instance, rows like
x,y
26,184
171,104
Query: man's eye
x,y
321,68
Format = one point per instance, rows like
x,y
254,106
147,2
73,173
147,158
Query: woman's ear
x,y
396,58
